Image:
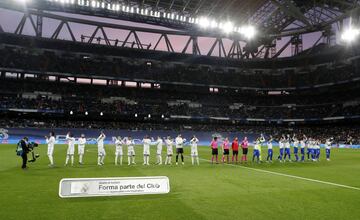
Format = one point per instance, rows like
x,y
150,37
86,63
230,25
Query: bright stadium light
x,y
86,113
162,116
136,115
214,24
71,112
101,113
350,34
149,116
227,27
204,22
248,31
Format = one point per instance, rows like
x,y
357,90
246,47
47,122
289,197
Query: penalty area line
x,y
290,176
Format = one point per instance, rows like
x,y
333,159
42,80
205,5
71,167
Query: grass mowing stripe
x,y
291,176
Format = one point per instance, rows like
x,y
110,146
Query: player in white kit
x,y
101,148
194,150
146,143
81,147
159,146
71,149
130,150
169,150
118,150
50,150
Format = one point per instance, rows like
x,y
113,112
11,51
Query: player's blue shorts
x,y
287,150
302,150
281,151
270,151
256,153
295,150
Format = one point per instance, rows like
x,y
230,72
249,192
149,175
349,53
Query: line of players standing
x,y
129,143
299,145
285,142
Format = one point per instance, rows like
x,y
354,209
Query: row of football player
x,y
130,143
313,149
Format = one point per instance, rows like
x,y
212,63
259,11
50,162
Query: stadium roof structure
x,y
219,19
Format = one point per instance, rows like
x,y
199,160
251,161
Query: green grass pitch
x,y
197,192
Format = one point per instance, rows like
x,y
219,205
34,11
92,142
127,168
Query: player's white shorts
x,y
169,151
81,149
50,151
70,150
119,151
194,153
158,151
131,151
101,151
146,150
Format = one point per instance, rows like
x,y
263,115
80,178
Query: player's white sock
x,y
67,159
166,160
116,159
197,159
160,159
102,159
133,159
51,159
192,160
72,160
144,160
147,160
80,158
99,160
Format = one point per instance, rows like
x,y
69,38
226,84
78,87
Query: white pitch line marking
x,y
291,176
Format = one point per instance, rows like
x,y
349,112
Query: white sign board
x,y
116,186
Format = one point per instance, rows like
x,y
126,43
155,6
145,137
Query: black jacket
x,y
24,146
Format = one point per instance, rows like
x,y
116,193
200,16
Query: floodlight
x,y
204,22
86,113
227,27
248,31
350,34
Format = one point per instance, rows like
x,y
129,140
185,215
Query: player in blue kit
x,y
295,145
287,148
302,147
328,143
256,153
270,149
281,147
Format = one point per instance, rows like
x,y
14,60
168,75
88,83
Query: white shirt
x,y
100,141
146,142
193,143
50,141
327,144
118,144
130,143
159,143
71,141
179,142
81,142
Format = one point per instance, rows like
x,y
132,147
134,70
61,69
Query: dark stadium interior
x,y
52,82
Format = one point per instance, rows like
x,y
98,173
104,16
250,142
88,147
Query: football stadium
x,y
180,109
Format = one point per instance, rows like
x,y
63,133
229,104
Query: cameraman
x,y
25,150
